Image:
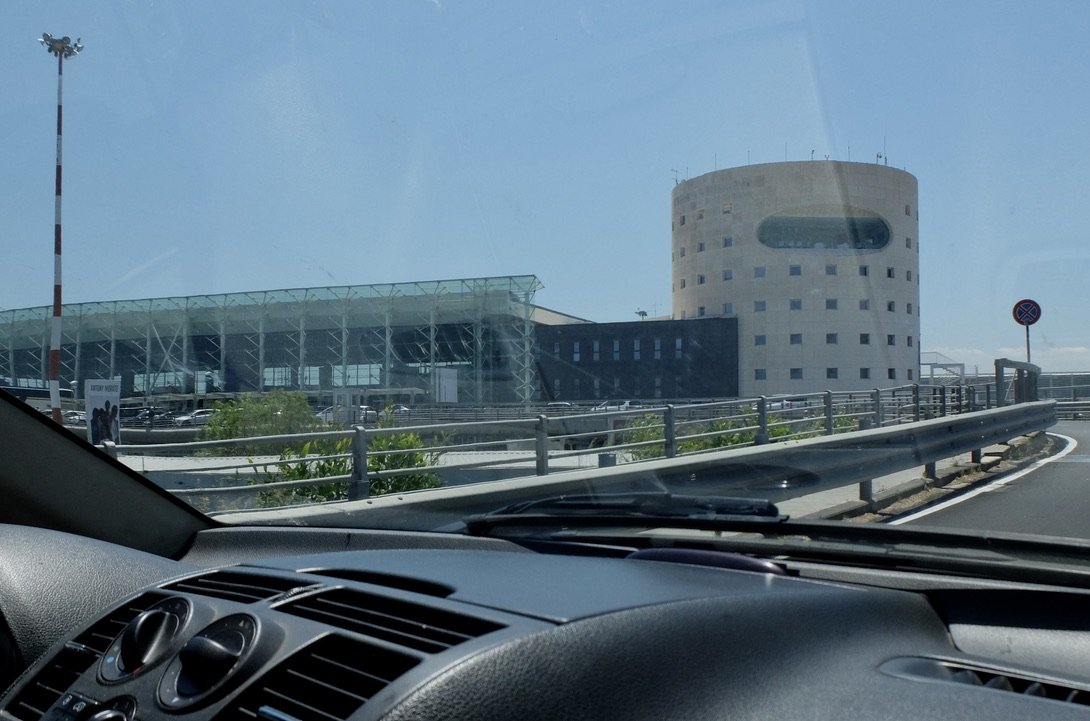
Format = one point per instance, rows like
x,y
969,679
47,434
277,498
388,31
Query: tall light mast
x,y
62,48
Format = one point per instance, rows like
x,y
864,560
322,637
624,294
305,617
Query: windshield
x,y
357,262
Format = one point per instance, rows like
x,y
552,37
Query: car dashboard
x,y
311,624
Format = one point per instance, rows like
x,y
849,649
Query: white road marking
x,y
987,488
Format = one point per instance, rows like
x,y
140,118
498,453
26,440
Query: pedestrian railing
x,y
356,462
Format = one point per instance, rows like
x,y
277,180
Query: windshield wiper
x,y
644,509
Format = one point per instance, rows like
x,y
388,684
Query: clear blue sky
x,y
232,146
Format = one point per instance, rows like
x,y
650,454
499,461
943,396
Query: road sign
x,y
1026,312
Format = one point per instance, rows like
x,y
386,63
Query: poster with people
x,y
103,410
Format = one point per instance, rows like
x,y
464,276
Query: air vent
x,y
103,632
241,587
52,681
327,680
76,657
389,580
414,625
928,669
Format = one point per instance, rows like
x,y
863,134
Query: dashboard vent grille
x,y
327,680
414,625
103,632
928,669
389,580
52,681
235,586
76,657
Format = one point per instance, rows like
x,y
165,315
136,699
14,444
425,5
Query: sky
x,y
215,147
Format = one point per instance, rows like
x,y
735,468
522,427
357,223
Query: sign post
x,y
1026,312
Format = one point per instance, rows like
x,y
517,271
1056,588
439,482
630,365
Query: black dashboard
x,y
283,624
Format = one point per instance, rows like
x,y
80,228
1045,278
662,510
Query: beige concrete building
x,y
818,260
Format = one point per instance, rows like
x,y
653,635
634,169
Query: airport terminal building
x,y
474,341
786,278
468,340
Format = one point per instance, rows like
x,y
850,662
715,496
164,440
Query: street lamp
x,y
62,48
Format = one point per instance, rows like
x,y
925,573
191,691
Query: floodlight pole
x,y
62,48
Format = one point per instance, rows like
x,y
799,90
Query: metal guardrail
x,y
808,466
1073,410
361,458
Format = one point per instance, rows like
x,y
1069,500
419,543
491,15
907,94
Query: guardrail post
x,y
987,396
541,450
110,449
360,487
761,436
828,397
866,492
669,431
876,399
942,401
916,402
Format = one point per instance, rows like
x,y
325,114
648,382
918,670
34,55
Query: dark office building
x,y
664,359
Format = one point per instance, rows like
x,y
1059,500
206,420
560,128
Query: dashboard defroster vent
x,y
327,680
76,657
415,625
236,586
929,669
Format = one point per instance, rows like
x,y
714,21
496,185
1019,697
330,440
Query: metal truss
x,y
314,339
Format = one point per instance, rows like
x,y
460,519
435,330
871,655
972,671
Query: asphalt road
x,y
1051,499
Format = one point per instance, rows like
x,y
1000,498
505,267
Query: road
x,y
1051,499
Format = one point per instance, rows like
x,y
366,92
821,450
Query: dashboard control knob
x,y
108,714
146,640
208,662
206,659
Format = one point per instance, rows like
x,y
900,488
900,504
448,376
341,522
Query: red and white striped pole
x,y
62,48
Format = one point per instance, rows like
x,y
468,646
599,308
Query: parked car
x,y
395,412
75,418
198,417
147,415
341,414
619,406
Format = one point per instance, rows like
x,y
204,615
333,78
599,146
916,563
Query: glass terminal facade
x,y
469,340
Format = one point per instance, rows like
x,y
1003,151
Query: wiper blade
x,y
647,509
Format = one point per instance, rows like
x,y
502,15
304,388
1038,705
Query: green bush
x,y
298,466
272,414
306,463
648,428
399,483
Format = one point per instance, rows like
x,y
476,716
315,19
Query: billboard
x,y
103,407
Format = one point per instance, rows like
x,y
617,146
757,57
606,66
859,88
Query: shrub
x,y
307,463
271,414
